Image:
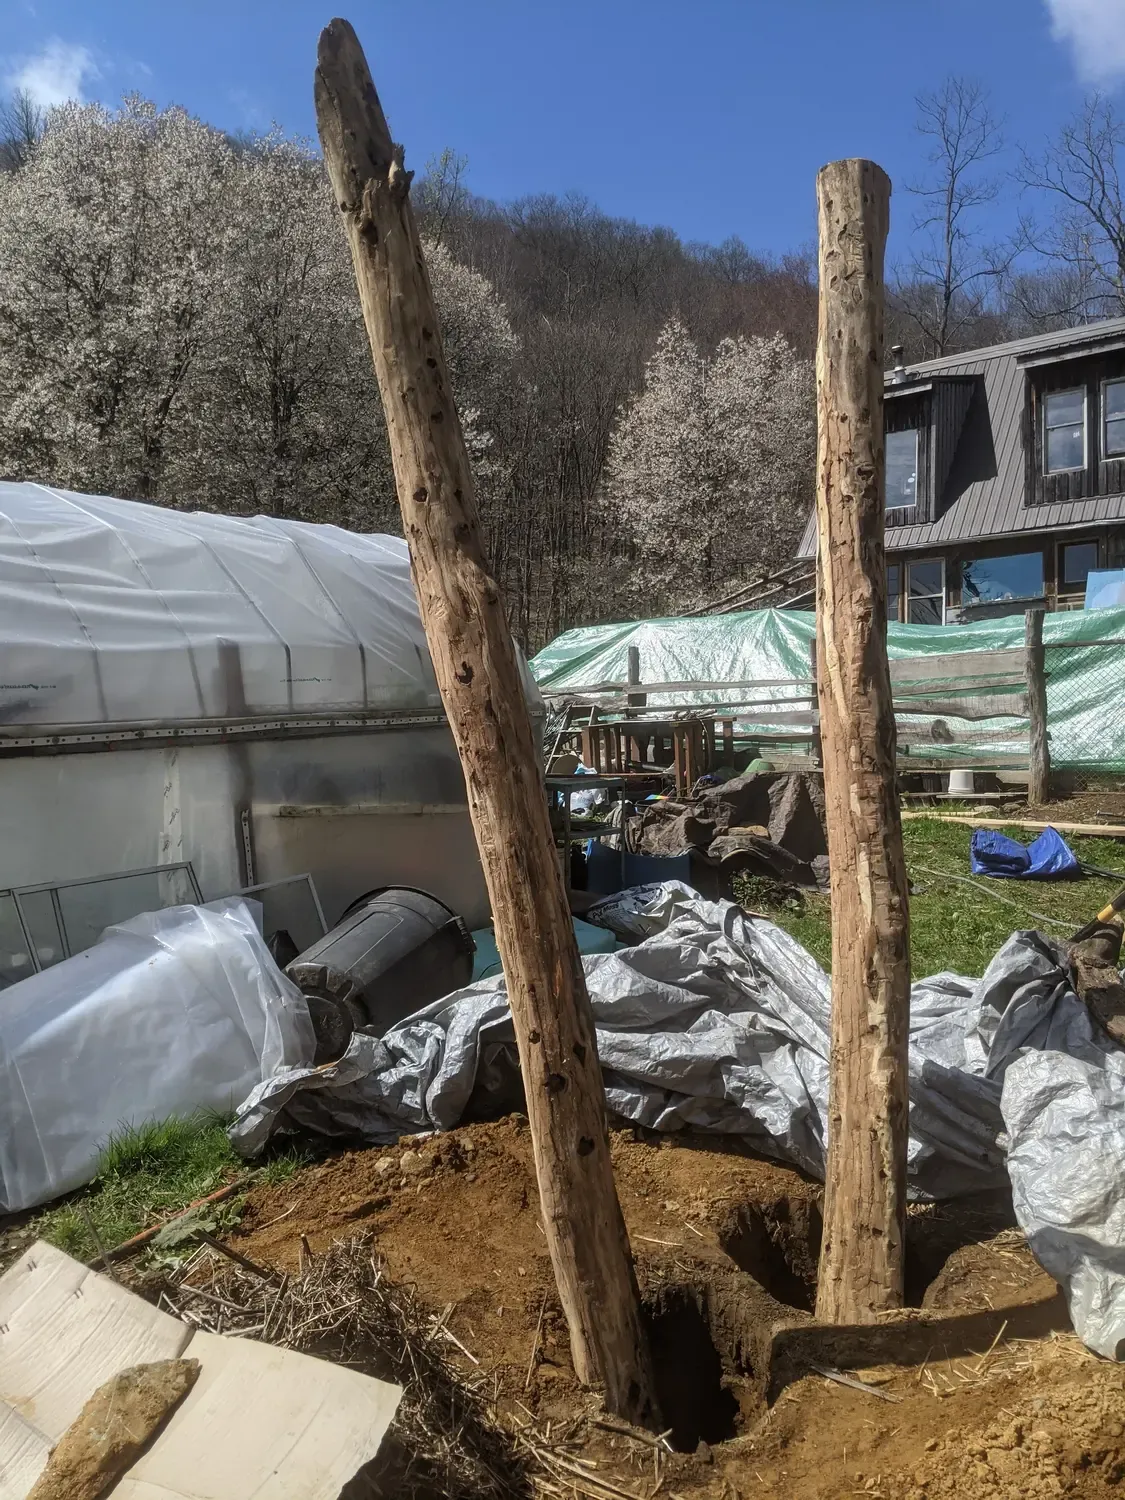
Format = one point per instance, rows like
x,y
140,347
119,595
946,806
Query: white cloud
x,y
55,74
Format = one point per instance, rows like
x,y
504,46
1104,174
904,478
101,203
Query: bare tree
x,y
441,197
21,125
947,282
1085,239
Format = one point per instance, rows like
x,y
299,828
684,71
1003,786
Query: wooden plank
x,y
920,734
477,672
594,688
982,706
960,666
861,1262
1094,830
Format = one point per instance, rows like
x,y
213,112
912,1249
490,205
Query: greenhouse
x,y
219,702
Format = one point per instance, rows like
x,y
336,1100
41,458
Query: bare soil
x,y
984,1390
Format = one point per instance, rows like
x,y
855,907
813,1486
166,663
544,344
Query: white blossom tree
x,y
710,470
179,321
105,298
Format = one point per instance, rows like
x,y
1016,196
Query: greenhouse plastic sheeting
x,y
719,1021
773,645
173,1011
112,612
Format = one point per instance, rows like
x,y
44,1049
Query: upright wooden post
x,y
862,1255
476,668
634,700
1039,749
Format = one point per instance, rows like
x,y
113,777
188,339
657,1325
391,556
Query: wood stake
x,y
477,672
861,1262
1039,752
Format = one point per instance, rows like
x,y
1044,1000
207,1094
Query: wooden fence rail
x,y
938,700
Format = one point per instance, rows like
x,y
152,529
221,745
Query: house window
x,y
925,592
902,468
1076,559
1064,430
894,590
1113,417
991,580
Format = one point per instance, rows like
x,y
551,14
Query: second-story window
x,y
1064,430
1113,416
902,468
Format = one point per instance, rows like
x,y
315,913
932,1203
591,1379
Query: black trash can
x,y
392,952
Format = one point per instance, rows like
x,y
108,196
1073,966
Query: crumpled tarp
x,y
720,1021
1048,857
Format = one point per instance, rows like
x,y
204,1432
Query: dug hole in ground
x,y
979,1389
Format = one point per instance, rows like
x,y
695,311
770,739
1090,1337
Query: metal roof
x,y
994,506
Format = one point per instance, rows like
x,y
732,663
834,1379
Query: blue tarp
x,y
1049,857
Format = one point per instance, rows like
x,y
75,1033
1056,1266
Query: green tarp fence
x,y
1085,682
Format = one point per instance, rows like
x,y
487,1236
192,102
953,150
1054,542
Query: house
x,y
1005,476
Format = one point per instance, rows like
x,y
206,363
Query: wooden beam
x,y
861,1262
1039,753
477,673
1094,830
961,668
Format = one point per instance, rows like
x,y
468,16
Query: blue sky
x,y
710,116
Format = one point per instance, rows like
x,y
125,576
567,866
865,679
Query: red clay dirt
x,y
989,1394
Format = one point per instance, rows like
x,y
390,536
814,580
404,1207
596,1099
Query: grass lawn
x,y
953,925
146,1174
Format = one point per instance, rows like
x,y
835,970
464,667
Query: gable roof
x,y
991,504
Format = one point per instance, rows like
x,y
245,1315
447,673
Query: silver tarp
x,y
718,1021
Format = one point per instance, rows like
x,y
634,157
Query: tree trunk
x,y
862,1255
478,676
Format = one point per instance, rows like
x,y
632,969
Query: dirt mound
x,y
726,1245
1064,1435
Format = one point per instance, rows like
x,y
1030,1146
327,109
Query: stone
x,y
413,1164
112,1430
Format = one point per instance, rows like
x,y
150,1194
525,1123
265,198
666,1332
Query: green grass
x,y
952,925
146,1173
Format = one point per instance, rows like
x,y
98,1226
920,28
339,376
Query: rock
x,y
385,1167
413,1164
703,1453
112,1430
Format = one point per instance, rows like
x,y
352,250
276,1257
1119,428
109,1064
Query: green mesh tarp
x,y
1085,683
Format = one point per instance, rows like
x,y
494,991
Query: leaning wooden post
x,y
865,1185
477,674
1039,749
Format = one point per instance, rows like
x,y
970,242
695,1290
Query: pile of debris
x,y
770,824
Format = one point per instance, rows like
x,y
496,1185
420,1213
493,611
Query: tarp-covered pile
x,y
772,645
171,1012
719,1021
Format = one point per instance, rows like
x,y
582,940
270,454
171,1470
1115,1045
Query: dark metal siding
x,y
987,486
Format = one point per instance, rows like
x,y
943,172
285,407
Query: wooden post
x,y
476,668
861,1262
634,700
1039,750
